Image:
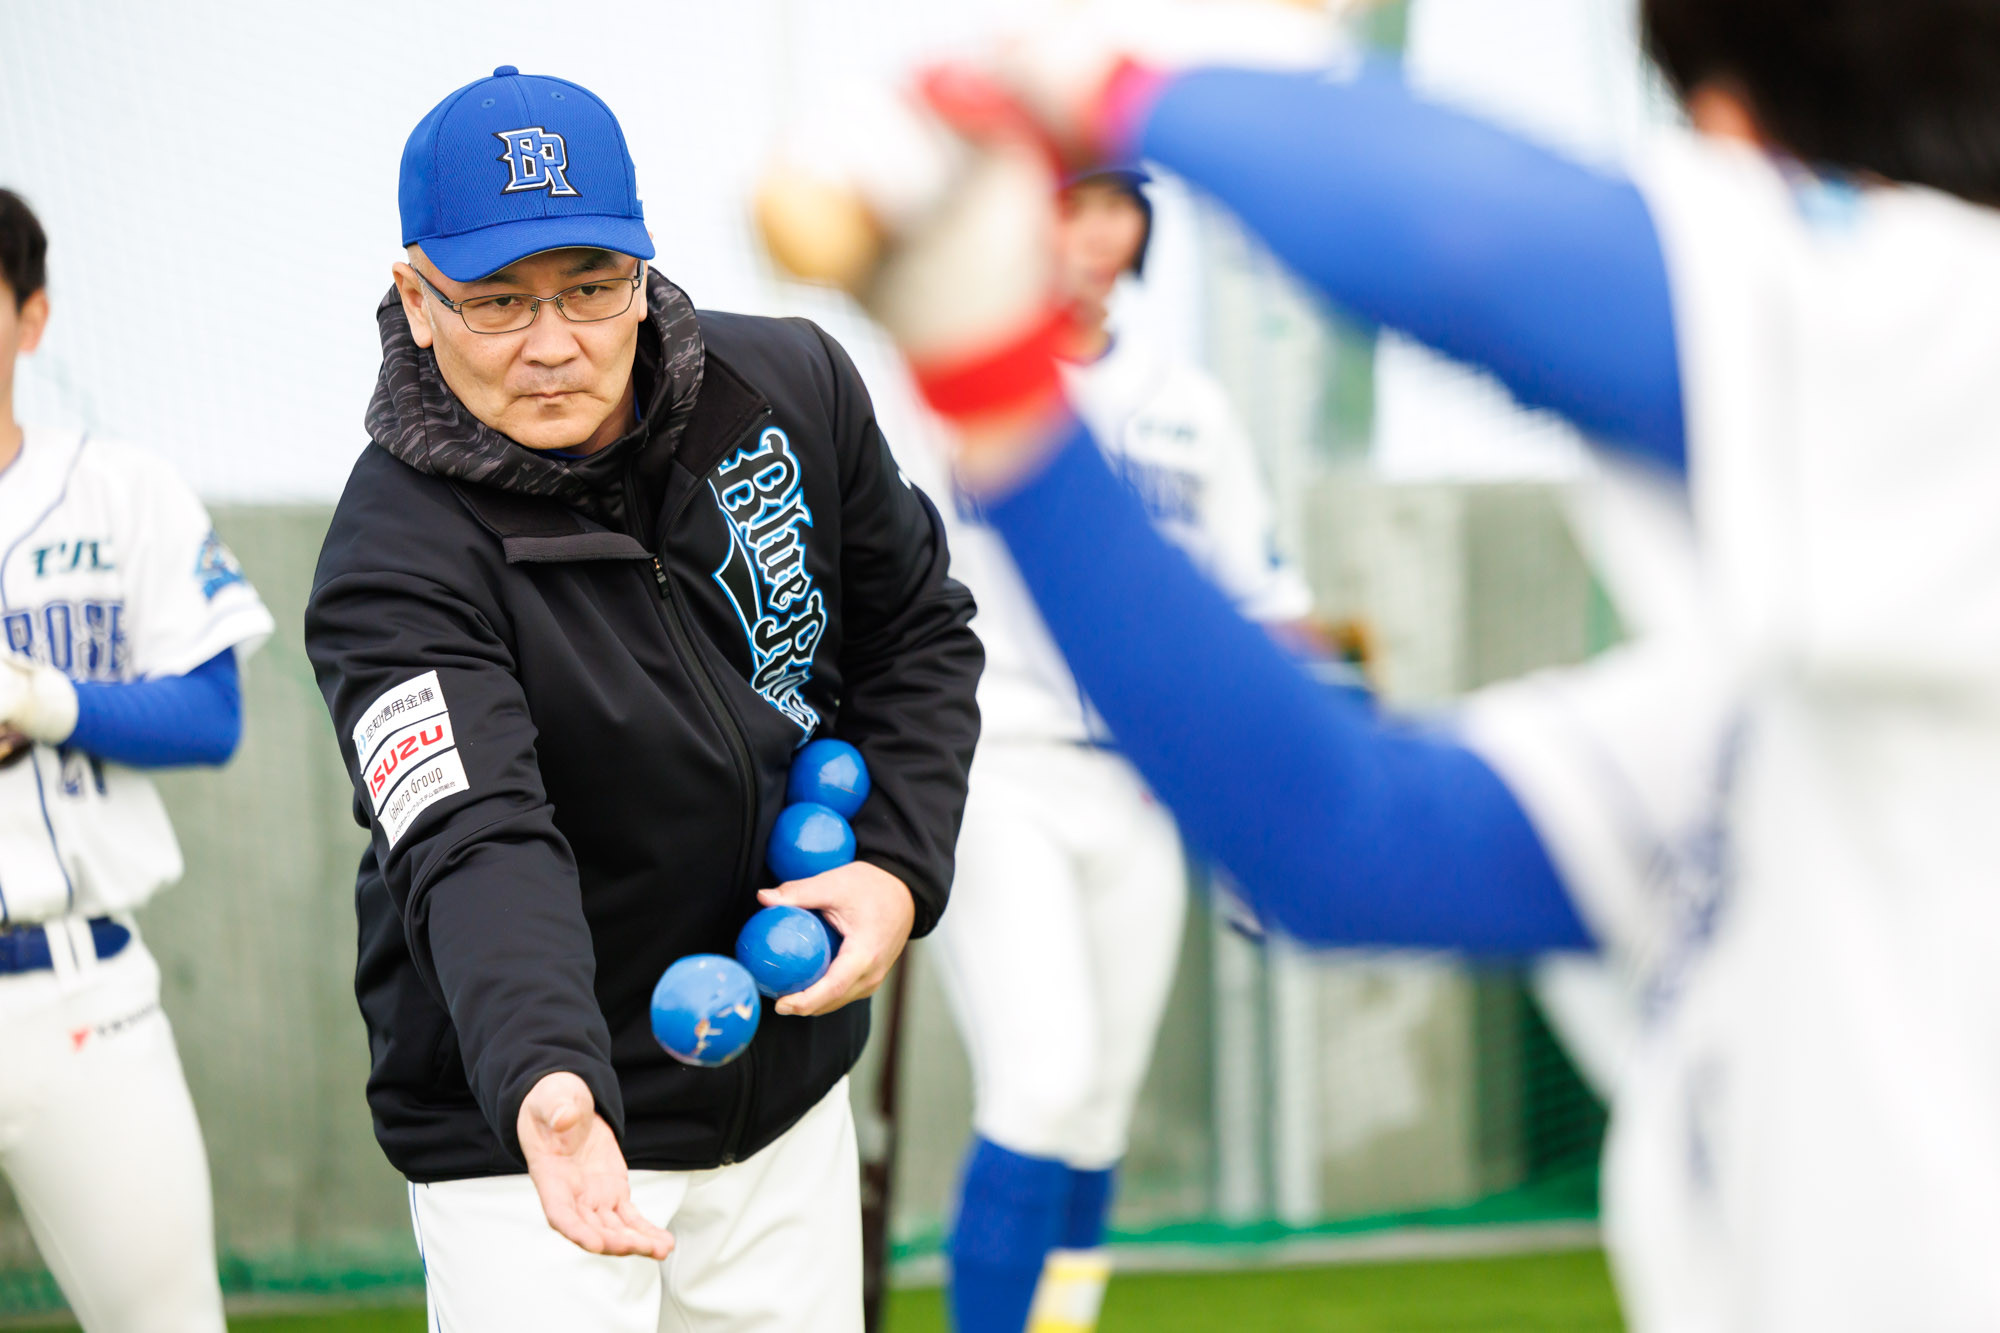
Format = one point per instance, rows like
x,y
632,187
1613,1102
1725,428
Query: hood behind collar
x,y
415,416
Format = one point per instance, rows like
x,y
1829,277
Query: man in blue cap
x,y
608,564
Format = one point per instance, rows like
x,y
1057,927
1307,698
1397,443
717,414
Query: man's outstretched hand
x,y
579,1172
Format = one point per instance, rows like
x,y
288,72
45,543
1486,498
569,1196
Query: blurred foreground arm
x,y
1341,827
1469,238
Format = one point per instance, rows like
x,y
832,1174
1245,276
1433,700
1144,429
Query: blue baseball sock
x,y
1089,1206
1012,1210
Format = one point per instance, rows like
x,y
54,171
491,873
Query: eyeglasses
x,y
510,312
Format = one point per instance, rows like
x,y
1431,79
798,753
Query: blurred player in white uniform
x,y
1059,948
122,619
1775,814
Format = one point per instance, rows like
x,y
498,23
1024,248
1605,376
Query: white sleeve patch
x,y
424,786
408,753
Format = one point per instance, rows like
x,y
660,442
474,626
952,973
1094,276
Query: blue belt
x,y
26,949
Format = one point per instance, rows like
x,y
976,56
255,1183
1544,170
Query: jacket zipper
x,y
675,618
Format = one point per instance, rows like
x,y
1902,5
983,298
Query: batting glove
x,y
35,700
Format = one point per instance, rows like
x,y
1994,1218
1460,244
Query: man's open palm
x,y
579,1172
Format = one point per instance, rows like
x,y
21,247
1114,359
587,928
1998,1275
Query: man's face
x,y
20,332
553,385
1099,236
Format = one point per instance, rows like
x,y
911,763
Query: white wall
x,y
218,178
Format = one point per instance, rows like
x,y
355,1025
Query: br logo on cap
x,y
535,160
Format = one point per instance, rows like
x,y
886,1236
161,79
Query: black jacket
x,y
570,690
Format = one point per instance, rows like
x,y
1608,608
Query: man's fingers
x,y
569,1222
657,1240
625,1231
816,998
870,910
832,990
557,1111
562,1118
617,1229
811,893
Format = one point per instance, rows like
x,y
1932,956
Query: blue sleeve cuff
x,y
1469,238
170,722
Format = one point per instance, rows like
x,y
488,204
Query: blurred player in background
x,y
1777,818
124,620
1059,950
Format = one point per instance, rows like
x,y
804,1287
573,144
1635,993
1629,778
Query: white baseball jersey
x,y
1779,815
109,571
1167,428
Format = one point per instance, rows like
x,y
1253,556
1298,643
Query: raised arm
x,y
1344,829
1469,238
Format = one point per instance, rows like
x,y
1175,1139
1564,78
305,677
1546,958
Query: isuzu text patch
x,y
408,753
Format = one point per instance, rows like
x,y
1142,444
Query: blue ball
x,y
808,840
829,773
785,949
705,1010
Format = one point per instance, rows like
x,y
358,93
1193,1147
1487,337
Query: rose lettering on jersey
x,y
84,640
57,623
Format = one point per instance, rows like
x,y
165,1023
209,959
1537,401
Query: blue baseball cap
x,y
515,165
1129,177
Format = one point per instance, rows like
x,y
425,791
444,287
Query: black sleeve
x,y
909,660
435,729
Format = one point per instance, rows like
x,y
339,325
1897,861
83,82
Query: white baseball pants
x,y
768,1245
99,1140
1058,950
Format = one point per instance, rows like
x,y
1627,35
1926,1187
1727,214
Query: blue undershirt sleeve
x,y
164,723
1473,240
1341,827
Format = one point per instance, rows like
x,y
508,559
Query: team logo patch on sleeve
x,y
215,566
408,753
